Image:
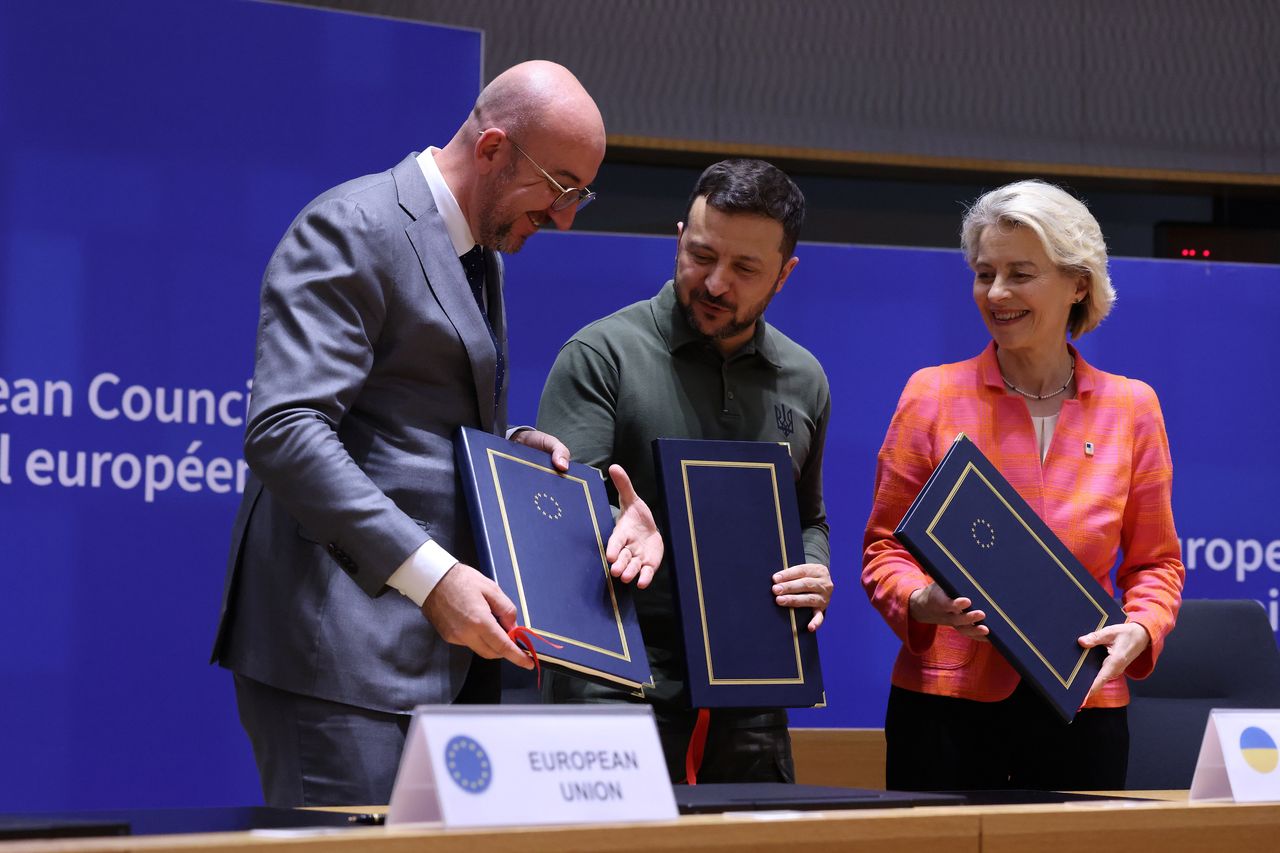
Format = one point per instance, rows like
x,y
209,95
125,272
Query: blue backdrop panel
x,y
1203,335
151,154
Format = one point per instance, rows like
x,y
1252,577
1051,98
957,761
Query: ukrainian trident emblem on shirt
x,y
786,419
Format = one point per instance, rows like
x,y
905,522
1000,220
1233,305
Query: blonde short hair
x,y
1067,231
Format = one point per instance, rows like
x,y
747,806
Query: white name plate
x,y
504,765
1239,757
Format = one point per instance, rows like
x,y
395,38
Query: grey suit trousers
x,y
313,752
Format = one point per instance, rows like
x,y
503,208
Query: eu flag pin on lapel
x,y
1088,448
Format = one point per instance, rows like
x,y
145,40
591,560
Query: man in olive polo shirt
x,y
698,361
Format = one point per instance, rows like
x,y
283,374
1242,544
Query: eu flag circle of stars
x,y
548,506
983,533
468,764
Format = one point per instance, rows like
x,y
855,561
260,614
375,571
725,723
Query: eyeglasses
x,y
574,197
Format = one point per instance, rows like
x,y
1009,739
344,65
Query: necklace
x,y
1017,390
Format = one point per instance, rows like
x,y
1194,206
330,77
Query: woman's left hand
x,y
1124,643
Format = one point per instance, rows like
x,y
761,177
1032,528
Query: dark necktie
x,y
473,264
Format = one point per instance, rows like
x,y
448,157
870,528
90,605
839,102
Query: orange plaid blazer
x,y
1115,500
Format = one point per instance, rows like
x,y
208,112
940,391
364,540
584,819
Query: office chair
x,y
1221,654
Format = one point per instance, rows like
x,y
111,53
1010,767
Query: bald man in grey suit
x,y
351,595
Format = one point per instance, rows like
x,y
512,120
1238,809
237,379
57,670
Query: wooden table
x,y
1171,825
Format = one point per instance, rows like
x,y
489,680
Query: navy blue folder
x,y
731,522
718,797
975,535
541,535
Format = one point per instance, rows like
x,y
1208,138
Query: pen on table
x,y
367,819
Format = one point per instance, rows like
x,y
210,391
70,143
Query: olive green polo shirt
x,y
644,373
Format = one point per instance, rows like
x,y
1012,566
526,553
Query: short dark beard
x,y
734,327
728,331
499,238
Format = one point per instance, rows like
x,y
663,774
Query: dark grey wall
x,y
1130,84
1172,84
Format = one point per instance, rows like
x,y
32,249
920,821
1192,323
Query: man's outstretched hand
x,y
635,546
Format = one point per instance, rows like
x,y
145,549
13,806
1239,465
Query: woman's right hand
x,y
930,605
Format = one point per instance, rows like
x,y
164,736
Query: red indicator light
x,y
1205,253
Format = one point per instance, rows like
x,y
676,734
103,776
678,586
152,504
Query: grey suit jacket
x,y
371,353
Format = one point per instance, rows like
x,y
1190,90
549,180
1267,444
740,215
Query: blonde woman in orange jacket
x,y
1087,450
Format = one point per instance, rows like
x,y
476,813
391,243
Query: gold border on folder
x,y
970,468
685,465
515,566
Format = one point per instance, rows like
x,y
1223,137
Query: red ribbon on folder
x,y
524,637
697,746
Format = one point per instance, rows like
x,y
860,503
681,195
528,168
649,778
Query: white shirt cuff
x,y
419,574
511,431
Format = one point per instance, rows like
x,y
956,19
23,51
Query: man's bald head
x,y
539,97
533,118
